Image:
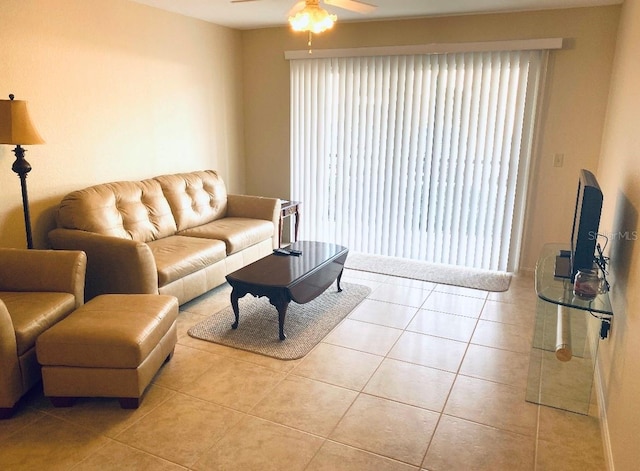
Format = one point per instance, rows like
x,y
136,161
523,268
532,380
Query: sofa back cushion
x,y
129,210
195,198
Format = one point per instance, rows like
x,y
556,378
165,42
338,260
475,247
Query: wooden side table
x,y
289,208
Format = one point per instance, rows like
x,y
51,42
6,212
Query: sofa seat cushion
x,y
237,233
34,312
179,256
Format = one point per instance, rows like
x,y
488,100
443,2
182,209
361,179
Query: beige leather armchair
x,y
37,289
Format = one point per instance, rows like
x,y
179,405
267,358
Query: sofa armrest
x,y
43,270
10,376
114,264
256,207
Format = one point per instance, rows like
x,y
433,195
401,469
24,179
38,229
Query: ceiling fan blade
x,y
352,5
243,1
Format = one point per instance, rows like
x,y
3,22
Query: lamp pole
x,y
22,168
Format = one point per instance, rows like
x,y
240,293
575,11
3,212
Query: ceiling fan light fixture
x,y
312,18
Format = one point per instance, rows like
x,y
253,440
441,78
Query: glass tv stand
x,y
564,384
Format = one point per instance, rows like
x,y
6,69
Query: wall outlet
x,y
558,160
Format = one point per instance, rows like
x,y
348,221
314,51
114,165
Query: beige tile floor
x,y
418,377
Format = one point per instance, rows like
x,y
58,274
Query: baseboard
x,y
604,424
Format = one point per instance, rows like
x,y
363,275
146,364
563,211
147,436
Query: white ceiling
x,y
267,13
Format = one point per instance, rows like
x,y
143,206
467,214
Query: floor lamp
x,y
17,129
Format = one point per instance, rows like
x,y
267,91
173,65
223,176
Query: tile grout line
x,y
457,374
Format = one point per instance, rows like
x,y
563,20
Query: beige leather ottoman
x,y
110,347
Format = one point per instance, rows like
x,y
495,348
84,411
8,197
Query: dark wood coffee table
x,y
288,278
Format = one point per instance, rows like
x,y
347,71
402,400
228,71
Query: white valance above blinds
x,y
434,48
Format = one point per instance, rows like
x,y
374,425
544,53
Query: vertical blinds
x,y
416,156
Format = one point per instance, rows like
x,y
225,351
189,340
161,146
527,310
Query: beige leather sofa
x,y
177,234
38,288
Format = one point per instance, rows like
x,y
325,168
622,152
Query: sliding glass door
x,y
415,156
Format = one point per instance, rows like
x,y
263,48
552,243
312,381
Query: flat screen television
x,y
584,233
586,221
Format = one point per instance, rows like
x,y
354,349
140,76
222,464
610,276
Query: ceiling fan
x,y
308,15
351,5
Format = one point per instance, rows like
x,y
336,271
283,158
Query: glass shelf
x,y
564,385
560,290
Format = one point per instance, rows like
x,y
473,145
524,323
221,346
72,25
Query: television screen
x,y
586,221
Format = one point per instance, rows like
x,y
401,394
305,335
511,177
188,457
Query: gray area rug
x,y
305,324
434,272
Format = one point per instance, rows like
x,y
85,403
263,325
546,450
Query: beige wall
x,y
119,91
572,116
619,177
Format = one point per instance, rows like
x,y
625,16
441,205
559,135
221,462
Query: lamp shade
x,y
15,124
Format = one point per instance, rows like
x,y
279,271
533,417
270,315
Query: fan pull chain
x,y
309,42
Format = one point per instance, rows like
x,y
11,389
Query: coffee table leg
x,y
234,305
281,302
338,280
282,312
